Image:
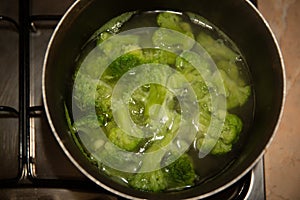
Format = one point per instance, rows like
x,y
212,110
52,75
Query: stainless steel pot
x,y
237,18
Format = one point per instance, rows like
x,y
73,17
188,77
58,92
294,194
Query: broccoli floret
x,y
91,94
237,92
135,58
216,49
181,173
92,64
142,100
152,55
137,111
177,175
116,175
221,148
123,140
229,135
171,40
116,161
174,22
188,61
195,77
103,102
233,71
156,95
172,33
113,26
155,181
235,95
90,121
232,127
124,44
89,135
84,91
120,66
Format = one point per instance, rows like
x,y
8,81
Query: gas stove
x,y
33,166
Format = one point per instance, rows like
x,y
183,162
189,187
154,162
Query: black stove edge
x,y
75,189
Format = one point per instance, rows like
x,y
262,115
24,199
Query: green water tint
x,y
161,100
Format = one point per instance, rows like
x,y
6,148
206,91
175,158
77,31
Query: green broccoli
x,y
84,91
152,55
120,66
156,95
172,33
88,135
174,22
189,61
236,95
93,94
146,122
90,121
103,102
123,140
137,111
116,162
113,26
155,181
233,71
179,174
191,73
216,49
116,175
229,135
124,44
168,39
142,104
92,64
232,128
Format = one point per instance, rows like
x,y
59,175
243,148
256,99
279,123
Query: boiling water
x,y
211,165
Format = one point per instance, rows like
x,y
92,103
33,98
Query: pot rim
x,y
92,178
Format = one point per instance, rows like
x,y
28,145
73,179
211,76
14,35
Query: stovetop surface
x,y
43,170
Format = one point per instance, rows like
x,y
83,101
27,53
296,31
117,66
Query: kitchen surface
x,y
282,160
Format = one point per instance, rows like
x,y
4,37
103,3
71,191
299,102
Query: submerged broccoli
x,y
93,94
148,123
111,27
174,22
103,102
84,91
216,48
229,135
191,73
180,174
237,92
153,55
236,95
123,140
171,40
135,58
137,111
120,66
118,45
172,33
155,181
